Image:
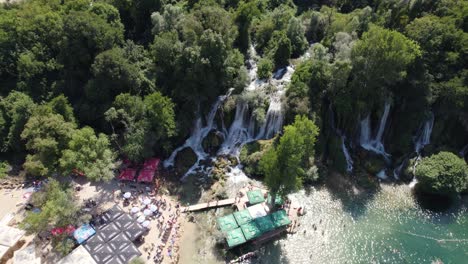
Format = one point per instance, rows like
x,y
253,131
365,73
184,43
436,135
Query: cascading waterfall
x,y
198,134
425,136
421,141
349,160
374,144
346,153
244,128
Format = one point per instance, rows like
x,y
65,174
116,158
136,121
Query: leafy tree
x,y
245,14
86,35
61,106
115,71
265,67
4,167
139,125
17,107
283,165
46,135
160,115
443,172
279,48
296,35
441,43
58,208
380,60
90,154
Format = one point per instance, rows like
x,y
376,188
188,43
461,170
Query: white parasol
x,y
145,223
153,208
141,219
135,210
146,201
127,195
147,212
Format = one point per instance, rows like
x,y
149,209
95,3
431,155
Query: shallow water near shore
x,y
387,227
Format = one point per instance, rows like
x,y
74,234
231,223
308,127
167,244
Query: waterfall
x,y
382,175
374,144
425,136
349,160
346,153
422,140
397,170
198,134
244,127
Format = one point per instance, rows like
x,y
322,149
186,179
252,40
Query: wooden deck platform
x,y
212,204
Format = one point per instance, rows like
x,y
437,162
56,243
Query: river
x,y
386,227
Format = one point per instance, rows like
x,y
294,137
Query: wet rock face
x,y
184,160
212,142
371,162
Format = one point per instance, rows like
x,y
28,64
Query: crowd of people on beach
x,y
166,217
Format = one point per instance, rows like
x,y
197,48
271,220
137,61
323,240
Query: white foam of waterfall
x,y
349,160
198,134
397,171
245,128
382,175
425,136
374,144
422,140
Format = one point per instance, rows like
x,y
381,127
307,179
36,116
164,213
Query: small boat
x,y
244,257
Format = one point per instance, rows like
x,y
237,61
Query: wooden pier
x,y
212,204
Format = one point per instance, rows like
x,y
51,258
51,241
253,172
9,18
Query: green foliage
x,y
141,125
90,154
17,107
444,173
99,35
286,164
63,245
4,168
279,48
442,45
58,208
296,34
265,67
46,135
137,260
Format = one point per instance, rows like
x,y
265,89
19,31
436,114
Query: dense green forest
x,y
84,82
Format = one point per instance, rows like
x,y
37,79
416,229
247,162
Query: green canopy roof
x,y
280,218
255,196
278,200
235,237
250,230
227,223
265,223
242,216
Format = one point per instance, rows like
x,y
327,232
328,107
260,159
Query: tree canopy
x,y
89,154
444,173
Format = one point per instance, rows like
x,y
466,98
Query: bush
x,y
4,168
265,67
442,173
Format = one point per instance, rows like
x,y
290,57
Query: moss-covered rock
x,y
185,159
252,153
212,142
371,162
